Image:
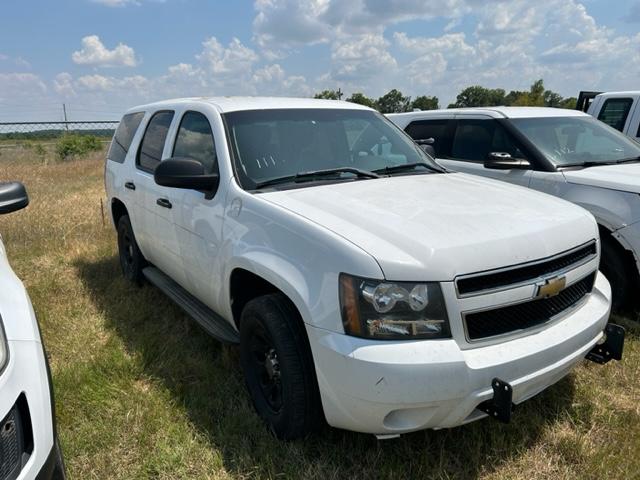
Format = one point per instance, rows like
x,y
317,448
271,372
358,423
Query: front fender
x,y
612,209
298,256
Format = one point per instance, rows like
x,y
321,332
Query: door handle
x,y
130,185
163,202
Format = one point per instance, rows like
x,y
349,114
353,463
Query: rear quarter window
x,y
614,112
124,135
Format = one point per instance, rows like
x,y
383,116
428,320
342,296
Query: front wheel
x,y
278,367
619,274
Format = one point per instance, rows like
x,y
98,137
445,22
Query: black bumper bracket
x,y
611,348
500,406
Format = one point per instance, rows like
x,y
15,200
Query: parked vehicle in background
x,y
562,152
362,282
28,442
619,110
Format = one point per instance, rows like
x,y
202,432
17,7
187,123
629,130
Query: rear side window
x,y
425,129
614,112
475,139
150,153
123,136
195,140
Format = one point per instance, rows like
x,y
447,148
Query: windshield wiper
x,y
629,160
589,163
404,167
312,175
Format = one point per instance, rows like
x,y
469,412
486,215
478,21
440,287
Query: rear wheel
x,y
278,367
131,259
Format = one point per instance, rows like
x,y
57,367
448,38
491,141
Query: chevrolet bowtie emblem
x,y
551,287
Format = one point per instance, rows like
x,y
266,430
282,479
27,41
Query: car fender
x,y
299,257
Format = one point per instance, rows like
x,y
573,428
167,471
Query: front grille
x,y
519,274
522,316
16,440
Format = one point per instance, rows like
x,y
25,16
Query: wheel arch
x,y
118,210
245,284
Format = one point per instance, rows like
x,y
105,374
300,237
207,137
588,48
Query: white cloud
x,y
283,23
101,83
362,57
63,84
116,3
94,53
233,60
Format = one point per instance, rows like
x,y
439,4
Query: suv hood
x,y
437,226
625,177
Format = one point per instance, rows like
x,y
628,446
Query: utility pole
x,y
64,111
339,93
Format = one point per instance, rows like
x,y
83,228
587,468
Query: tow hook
x,y
500,406
611,348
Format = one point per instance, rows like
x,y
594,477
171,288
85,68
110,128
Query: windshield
x,y
577,140
331,144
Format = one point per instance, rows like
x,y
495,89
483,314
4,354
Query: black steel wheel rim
x,y
267,368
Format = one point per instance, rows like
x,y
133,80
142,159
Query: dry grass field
x,y
142,392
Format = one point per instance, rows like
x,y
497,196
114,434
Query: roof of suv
x,y
496,112
232,104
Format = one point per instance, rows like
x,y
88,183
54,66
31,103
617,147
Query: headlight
x,y
4,349
392,310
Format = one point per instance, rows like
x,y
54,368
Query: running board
x,y
213,323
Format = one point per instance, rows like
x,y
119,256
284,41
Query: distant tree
x,y
424,102
477,96
552,99
393,102
569,102
536,96
536,93
329,94
362,99
516,97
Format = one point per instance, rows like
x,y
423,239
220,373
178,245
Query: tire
x,y
278,367
131,259
614,267
59,470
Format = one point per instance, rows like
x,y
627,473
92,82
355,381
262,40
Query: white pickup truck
x,y
363,283
620,110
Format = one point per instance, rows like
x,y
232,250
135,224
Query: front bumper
x,y
388,388
26,381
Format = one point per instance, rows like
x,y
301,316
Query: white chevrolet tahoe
x,y
364,284
566,153
28,442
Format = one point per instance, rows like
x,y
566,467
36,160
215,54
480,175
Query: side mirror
x,y
426,144
504,161
185,173
13,197
429,150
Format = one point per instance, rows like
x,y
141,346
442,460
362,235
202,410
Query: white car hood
x,y
625,177
438,226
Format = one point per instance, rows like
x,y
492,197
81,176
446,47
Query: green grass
x,y
143,392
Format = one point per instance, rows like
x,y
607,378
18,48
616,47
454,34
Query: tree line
x,y
475,96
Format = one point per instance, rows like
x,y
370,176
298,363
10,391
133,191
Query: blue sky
x,y
103,56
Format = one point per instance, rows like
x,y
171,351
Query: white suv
x,y
566,153
363,284
28,441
